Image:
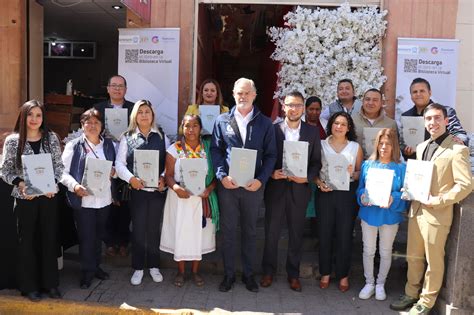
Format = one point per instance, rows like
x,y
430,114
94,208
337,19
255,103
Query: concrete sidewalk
x,y
106,297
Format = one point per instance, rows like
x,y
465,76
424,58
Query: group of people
x,y
190,222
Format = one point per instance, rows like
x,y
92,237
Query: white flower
x,y
319,47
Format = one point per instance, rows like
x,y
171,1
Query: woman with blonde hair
x,y
146,203
380,220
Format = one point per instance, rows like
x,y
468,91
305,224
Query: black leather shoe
x,y
250,283
54,293
33,296
101,274
226,284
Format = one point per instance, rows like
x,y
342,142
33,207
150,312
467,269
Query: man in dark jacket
x,y
118,232
287,195
116,88
420,92
243,127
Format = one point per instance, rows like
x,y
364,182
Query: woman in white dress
x,y
189,221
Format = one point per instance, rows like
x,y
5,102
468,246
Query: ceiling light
x,y
117,7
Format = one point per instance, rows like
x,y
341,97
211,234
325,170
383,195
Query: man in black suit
x,y
116,88
289,195
118,232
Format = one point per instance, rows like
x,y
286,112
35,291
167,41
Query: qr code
x,y
411,65
131,55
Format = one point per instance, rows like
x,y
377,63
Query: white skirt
x,y
182,233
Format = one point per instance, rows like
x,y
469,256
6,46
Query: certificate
x,y
242,165
193,175
146,165
369,139
208,114
413,130
338,176
295,158
96,176
378,185
417,184
39,174
116,122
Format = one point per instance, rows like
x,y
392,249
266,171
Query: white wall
x,y
465,83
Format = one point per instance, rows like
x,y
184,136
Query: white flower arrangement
x,y
317,48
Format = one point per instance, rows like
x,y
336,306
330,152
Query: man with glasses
x,y
287,195
116,88
118,232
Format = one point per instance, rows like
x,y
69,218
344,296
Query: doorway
x,y
232,42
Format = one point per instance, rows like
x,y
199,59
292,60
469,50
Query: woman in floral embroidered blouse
x,y
37,215
188,230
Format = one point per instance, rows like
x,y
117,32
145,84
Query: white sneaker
x,y
156,275
137,277
367,291
380,294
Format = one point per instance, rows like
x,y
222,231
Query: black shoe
x,y
226,284
101,274
54,293
33,296
250,283
86,280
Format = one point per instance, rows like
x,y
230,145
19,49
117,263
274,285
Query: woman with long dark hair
x,y
37,215
184,234
337,209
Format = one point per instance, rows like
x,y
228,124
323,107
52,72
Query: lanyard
x,y
92,150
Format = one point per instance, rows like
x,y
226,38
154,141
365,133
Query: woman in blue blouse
x,y
379,220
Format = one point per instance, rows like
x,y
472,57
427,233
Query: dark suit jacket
x,y
106,104
309,134
301,192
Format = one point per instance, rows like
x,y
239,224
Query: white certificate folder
x,y
242,165
379,186
370,134
96,176
295,158
146,166
338,176
413,130
417,184
208,114
116,122
193,175
39,174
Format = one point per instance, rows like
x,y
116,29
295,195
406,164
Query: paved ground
x,y
278,298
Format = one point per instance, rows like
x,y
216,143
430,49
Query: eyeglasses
x,y
117,86
294,106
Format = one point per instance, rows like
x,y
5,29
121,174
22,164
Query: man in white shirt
x,y
287,195
243,127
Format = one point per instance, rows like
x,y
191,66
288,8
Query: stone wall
x,y
457,294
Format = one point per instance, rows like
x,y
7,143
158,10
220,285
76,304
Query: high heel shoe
x,y
344,287
324,284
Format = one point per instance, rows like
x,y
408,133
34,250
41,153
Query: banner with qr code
x,y
149,60
435,60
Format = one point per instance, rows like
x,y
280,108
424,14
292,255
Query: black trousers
x,y
337,211
90,224
146,209
290,200
118,225
37,232
232,203
8,238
